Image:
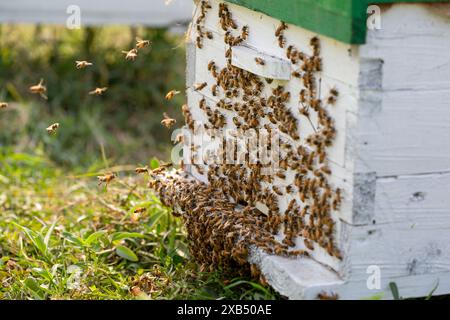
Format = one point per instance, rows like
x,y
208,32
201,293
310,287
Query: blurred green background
x,y
122,126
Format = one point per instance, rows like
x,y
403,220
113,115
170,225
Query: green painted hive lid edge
x,y
343,20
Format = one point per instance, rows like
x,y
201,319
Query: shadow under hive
x,y
239,205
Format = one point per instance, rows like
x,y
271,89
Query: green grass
x,y
64,237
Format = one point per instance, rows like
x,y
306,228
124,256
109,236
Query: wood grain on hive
x,y
390,156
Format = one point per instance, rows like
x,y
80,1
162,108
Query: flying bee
x,y
141,43
167,121
98,91
39,89
131,54
200,86
141,170
3,105
171,94
260,61
52,128
106,178
140,210
82,64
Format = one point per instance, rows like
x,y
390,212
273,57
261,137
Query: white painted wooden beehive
x,y
391,156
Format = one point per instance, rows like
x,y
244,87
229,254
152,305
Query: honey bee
x,y
260,61
296,74
308,244
140,43
200,86
39,89
281,41
277,190
214,90
171,94
326,296
106,178
167,121
244,33
331,100
281,175
209,35
211,65
199,42
131,54
98,91
140,210
141,170
299,253
283,26
82,64
52,128
3,105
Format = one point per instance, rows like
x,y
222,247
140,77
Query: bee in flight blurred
x,y
3,105
82,64
141,170
130,55
142,43
168,122
98,91
52,128
39,89
171,94
106,178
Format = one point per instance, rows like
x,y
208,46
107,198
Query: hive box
x,y
391,156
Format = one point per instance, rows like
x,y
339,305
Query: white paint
x,y
99,12
272,67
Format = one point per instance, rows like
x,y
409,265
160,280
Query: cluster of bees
x,y
240,207
204,7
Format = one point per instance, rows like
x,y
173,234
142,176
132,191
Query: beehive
x,y
370,135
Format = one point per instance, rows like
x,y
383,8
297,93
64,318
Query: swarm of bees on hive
x,y
223,217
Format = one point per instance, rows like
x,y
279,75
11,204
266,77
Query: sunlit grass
x,y
64,237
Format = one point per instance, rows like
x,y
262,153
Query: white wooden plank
x,y
410,229
403,132
414,43
269,67
151,13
